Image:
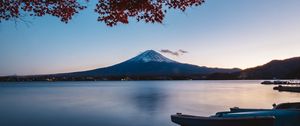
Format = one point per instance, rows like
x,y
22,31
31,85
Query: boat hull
x,y
188,120
287,88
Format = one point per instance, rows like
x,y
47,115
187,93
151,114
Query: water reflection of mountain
x,y
149,99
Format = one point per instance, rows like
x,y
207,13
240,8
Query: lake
x,y
127,103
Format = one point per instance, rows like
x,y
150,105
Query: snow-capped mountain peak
x,y
150,56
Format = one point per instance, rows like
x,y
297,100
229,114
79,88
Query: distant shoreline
x,y
78,79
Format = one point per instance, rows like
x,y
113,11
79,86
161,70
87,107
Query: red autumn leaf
x,y
110,12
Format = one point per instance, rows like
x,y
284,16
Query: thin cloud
x,y
175,53
169,52
182,51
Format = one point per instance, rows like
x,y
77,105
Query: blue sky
x,y
220,33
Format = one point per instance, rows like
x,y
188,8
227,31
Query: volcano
x,y
150,64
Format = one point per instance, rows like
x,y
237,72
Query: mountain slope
x,y
280,69
151,63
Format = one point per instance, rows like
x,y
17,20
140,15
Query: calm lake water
x,y
127,103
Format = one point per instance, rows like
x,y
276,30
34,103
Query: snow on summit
x,y
150,56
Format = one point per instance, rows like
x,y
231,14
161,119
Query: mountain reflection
x,y
148,99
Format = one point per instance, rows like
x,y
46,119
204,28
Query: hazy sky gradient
x,y
220,33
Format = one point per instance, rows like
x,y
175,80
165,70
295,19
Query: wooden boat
x,y
281,82
188,120
285,114
287,88
292,106
267,82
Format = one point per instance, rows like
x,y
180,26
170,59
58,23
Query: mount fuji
x,y
150,65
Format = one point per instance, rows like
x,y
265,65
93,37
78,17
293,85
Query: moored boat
x,y
189,120
286,114
281,82
287,88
